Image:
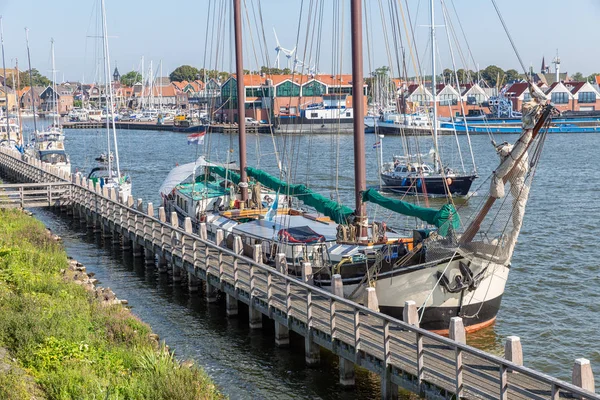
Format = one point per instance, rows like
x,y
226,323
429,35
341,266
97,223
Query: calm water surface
x,y
551,299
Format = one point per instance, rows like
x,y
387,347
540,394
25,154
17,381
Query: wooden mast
x,y
360,173
241,95
474,227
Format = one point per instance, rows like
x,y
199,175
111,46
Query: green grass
x,y
68,345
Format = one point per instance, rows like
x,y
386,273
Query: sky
x,y
176,33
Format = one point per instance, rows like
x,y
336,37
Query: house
x,y
582,96
63,96
8,93
26,94
284,95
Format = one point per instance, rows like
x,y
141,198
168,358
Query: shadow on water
x,y
244,363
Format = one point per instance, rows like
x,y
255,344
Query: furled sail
x,y
334,210
444,218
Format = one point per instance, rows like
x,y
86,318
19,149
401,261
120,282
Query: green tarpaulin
x,y
337,212
442,218
224,173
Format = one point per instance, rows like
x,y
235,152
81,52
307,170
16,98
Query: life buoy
x,y
449,181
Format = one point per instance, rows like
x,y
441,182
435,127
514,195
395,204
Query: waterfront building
x,y
64,99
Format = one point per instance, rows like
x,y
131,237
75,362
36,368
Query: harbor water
x,y
551,299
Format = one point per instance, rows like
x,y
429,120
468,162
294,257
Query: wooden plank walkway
x,y
403,355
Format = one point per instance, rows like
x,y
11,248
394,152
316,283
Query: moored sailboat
x,y
108,173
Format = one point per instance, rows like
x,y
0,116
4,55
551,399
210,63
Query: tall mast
x,y
360,172
143,85
31,81
434,88
4,79
54,96
160,88
20,138
241,94
110,98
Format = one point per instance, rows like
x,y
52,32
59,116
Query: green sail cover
x,y
442,218
222,172
337,212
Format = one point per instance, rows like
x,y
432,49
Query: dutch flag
x,y
197,138
377,145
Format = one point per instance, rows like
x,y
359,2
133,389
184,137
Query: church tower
x,y
116,74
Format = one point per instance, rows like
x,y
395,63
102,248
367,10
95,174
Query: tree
x,y
184,73
492,75
578,77
592,77
38,79
512,75
131,78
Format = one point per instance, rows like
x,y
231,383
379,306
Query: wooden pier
x,y
153,126
404,355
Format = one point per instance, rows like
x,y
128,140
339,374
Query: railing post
x,y
254,315
513,351
193,281
582,375
281,263
346,367
312,353
458,334
176,271
410,315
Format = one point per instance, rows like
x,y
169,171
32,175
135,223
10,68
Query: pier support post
x,y
137,249
162,215
282,335
125,243
410,315
254,315
231,305
162,265
513,351
347,375
193,283
583,375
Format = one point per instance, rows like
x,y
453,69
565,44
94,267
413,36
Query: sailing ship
x,y
108,173
446,269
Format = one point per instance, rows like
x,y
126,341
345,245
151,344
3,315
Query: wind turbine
x,y
279,49
288,54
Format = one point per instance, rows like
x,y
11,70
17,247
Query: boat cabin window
x,y
54,158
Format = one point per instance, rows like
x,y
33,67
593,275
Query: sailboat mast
x,y
434,88
54,97
360,172
31,81
241,95
4,79
109,91
20,138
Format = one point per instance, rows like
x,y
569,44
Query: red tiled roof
x,y
576,86
517,89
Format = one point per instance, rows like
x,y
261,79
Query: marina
x,y
366,219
